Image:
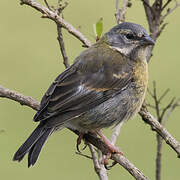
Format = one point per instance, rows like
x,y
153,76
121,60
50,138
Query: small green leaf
x,y
98,28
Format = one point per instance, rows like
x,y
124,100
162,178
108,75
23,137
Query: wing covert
x,y
80,88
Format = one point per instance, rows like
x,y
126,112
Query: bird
x,y
104,86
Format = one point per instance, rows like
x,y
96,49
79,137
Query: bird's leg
x,y
80,137
110,146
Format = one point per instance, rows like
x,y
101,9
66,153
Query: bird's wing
x,y
80,88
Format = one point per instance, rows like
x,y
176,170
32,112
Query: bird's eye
x,y
130,36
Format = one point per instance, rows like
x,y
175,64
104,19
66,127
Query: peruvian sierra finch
x,y
105,85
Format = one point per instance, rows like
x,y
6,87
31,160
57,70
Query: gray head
x,y
129,39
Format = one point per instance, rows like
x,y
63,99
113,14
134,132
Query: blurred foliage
x,y
30,60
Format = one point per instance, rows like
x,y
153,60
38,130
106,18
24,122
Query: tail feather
x,y
33,144
36,149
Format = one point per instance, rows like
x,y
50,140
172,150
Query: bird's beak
x,y
147,40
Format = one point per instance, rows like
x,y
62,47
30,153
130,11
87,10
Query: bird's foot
x,y
108,167
112,149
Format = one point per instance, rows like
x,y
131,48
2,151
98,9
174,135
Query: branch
x,y
30,102
165,109
155,17
169,11
123,10
158,156
47,13
20,98
156,126
62,47
160,117
98,166
59,11
149,13
117,13
156,26
162,133
47,4
116,133
171,109
120,13
122,160
146,116
167,2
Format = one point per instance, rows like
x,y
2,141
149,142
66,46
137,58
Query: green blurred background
x,y
30,60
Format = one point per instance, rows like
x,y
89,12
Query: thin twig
x,y
47,5
56,18
160,116
116,133
149,11
166,108
153,27
171,109
163,95
156,126
20,98
120,13
62,46
159,112
170,11
165,5
94,157
158,156
59,11
123,10
117,13
161,29
146,3
61,7
122,160
156,101
98,166
159,139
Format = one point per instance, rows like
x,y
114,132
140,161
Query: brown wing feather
x,y
79,88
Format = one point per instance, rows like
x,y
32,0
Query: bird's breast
x,y
140,75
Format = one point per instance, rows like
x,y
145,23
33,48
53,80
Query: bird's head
x,y
130,40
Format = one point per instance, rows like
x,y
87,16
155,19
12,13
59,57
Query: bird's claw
x,y
108,156
80,137
109,167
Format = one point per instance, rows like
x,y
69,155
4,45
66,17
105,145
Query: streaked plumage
x,y
105,85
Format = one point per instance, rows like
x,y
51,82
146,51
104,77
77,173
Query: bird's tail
x,y
33,145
